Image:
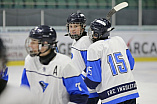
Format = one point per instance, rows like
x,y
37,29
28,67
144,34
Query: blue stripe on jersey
x,y
130,58
5,74
24,80
122,99
93,73
118,90
75,85
84,56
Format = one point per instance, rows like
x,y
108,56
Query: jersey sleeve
x,y
77,89
131,59
93,74
93,66
74,84
24,79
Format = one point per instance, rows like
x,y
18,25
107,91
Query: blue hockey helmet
x,y
100,29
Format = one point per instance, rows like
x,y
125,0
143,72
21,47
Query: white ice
x,y
145,74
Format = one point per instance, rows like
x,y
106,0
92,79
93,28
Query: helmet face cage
x,y
29,43
34,47
76,36
76,18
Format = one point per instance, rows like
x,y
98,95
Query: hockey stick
x,y
115,9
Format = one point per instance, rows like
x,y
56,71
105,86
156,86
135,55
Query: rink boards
x,y
142,44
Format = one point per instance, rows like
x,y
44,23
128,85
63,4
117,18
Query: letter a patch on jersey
x,y
43,85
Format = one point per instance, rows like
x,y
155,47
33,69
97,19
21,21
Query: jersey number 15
x,y
117,63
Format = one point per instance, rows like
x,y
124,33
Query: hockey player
x,y
10,94
76,30
110,66
50,75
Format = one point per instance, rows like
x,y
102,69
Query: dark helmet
x,y
76,18
100,28
3,57
42,34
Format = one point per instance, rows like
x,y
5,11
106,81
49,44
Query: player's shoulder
x,y
117,38
68,68
61,57
96,45
83,43
28,58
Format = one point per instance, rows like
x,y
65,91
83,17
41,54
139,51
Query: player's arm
x,y
24,79
131,59
77,89
93,74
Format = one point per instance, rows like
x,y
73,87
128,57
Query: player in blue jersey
x,y
51,75
11,94
76,30
110,65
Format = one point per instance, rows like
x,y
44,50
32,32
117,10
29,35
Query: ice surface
x,y
145,74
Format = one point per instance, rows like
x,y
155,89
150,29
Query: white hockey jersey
x,y
109,65
79,52
79,57
55,83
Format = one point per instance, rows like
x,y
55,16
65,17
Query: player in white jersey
x,y
76,30
10,94
109,66
50,75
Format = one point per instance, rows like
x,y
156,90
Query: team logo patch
x,y
43,85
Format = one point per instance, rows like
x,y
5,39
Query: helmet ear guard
x,y
101,29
